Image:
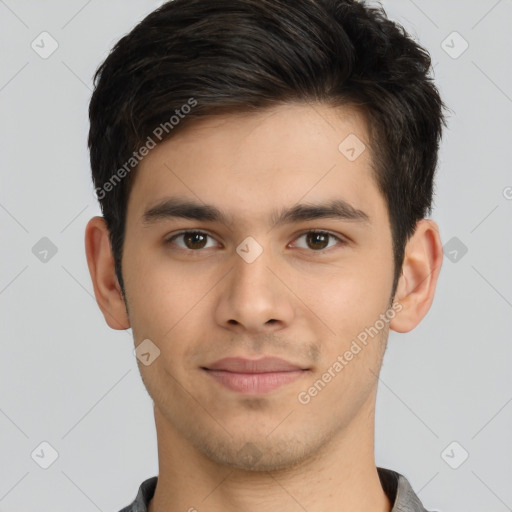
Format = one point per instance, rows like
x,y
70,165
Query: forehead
x,y
254,161
286,129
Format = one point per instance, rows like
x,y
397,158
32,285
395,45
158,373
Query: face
x,y
255,276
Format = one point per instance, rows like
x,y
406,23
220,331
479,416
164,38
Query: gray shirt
x,y
395,485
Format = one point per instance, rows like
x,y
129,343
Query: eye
x,y
193,240
318,240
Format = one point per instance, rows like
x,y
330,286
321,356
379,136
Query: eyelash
x,y
341,241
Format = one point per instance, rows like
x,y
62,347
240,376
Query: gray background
x,y
70,381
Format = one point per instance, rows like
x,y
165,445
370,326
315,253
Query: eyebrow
x,y
174,207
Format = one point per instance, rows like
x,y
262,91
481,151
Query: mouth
x,y
254,377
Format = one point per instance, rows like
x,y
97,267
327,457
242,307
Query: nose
x,y
254,297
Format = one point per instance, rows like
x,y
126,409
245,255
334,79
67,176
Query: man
x,y
264,169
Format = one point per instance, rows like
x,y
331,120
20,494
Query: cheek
x,y
168,300
349,298
158,296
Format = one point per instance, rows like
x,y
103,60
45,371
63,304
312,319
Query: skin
x,y
294,301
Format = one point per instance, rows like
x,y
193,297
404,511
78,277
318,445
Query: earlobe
x,y
420,270
100,261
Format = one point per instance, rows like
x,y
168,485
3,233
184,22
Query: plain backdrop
x,y
69,385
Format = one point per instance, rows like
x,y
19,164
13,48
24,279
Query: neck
x,y
342,476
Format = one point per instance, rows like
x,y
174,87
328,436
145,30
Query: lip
x,y
262,365
254,376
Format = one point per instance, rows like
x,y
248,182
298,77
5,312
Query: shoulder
x,y
144,495
399,491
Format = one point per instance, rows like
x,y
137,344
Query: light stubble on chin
x,y
258,455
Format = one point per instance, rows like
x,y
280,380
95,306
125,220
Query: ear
x,y
101,267
423,258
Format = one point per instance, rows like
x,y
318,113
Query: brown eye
x,y
193,240
319,240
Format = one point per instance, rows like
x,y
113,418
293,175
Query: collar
x,y
396,486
